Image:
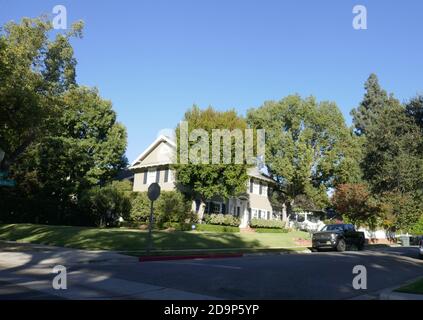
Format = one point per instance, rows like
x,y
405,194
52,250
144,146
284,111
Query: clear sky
x,y
155,59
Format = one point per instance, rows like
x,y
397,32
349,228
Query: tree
x,y
355,202
393,159
414,109
309,149
374,101
204,181
59,138
33,70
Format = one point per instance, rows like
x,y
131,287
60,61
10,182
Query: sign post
x,y
153,194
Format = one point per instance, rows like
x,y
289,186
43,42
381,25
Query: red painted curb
x,y
201,256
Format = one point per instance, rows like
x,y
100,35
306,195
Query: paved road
x,y
326,275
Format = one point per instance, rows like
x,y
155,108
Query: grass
x,y
415,287
134,242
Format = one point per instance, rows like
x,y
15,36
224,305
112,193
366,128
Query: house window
x,y
256,188
268,215
254,213
264,189
238,211
145,177
151,176
158,176
166,177
214,207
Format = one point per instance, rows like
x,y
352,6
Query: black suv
x,y
339,237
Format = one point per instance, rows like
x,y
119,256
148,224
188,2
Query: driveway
x,y
108,275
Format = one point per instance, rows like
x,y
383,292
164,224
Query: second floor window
x,y
166,177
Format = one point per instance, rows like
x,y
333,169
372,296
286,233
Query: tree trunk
x,y
201,211
288,206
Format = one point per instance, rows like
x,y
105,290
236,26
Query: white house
x,y
154,165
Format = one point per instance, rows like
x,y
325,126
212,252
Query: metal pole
x,y
150,227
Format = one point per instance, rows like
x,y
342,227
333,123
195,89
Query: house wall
x,y
165,186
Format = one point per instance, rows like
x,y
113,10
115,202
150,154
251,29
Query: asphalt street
x,y
323,275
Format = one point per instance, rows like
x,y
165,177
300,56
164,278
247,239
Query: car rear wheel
x,y
341,246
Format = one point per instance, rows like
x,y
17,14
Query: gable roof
x,y
151,147
253,172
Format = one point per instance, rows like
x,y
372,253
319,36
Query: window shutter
x,y
166,177
145,177
251,185
223,208
158,176
268,215
261,188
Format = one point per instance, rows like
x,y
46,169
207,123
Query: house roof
x,y
151,147
252,172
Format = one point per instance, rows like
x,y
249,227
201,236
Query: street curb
x,y
190,257
390,294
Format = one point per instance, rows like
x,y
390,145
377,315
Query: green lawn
x,y
415,287
134,241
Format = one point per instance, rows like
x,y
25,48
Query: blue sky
x,y
155,59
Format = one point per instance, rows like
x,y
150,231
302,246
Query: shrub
x,y
171,206
270,224
140,207
222,219
106,205
270,230
216,228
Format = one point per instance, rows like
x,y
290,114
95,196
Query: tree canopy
x,y
309,149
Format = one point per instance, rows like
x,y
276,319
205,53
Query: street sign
x,y
153,191
7,183
153,194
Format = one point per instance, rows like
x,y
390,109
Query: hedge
x,y
222,219
216,228
270,224
270,230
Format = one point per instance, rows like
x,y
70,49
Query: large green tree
x,y
204,181
392,162
59,138
309,149
33,71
